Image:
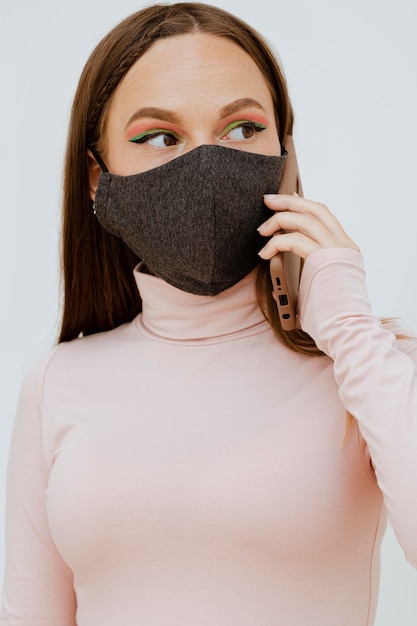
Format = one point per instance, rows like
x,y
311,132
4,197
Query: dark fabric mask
x,y
193,220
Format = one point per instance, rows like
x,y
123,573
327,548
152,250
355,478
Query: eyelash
x,y
151,134
148,135
256,126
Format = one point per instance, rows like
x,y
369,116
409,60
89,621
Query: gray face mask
x,y
193,220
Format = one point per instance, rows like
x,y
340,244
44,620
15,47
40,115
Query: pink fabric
x,y
188,469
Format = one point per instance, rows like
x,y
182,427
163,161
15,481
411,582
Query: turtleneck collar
x,y
171,314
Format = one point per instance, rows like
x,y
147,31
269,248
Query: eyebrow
x,y
171,117
155,112
237,105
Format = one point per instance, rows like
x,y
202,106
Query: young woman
x,y
180,458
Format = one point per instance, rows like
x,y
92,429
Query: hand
x,y
301,226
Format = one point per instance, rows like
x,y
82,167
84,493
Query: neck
x,y
171,313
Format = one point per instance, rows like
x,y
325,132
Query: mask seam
x,y
215,221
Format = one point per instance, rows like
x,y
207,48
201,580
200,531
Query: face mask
x,y
193,220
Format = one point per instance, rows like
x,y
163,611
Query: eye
x,y
238,131
156,138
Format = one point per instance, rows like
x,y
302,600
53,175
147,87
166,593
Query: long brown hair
x,y
99,289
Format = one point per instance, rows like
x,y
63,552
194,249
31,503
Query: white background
x,y
351,68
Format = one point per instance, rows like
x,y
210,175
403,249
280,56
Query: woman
x,y
179,458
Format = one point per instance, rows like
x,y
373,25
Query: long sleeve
x,y
38,586
376,375
157,473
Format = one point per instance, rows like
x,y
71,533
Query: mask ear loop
x,y
103,166
98,158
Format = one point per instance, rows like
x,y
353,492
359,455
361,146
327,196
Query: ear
x,y
94,171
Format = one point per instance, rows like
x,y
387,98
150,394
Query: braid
x,y
100,106
108,85
134,40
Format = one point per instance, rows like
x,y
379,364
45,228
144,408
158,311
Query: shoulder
x,y
98,344
78,358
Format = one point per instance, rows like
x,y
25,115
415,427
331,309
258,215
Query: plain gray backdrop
x,y
351,69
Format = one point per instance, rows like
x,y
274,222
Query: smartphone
x,y
285,267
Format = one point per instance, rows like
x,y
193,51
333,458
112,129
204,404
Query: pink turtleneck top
x,y
188,469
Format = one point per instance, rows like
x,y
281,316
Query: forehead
x,y
191,63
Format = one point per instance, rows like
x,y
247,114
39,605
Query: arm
x,y
38,585
377,381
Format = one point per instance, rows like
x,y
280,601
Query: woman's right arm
x,y
38,585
